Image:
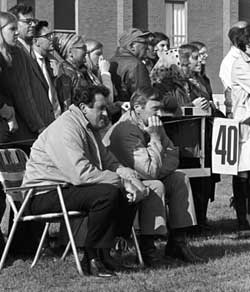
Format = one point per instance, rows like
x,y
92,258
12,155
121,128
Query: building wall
x,y
205,23
156,15
208,21
45,11
105,22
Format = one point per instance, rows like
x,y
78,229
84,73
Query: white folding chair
x,y
12,168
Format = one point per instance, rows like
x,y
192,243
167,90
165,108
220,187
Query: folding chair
x,y
12,168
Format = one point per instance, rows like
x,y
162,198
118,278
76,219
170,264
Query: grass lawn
x,y
227,269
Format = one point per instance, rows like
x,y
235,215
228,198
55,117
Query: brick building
x,y
183,20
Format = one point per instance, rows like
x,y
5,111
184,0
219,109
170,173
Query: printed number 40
x,y
228,151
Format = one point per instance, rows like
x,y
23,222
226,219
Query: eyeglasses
x,y
29,21
49,36
203,54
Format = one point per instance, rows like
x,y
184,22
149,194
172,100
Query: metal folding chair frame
x,y
48,218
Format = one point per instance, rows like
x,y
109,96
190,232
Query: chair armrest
x,y
36,187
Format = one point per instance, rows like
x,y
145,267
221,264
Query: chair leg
x,y
137,247
71,238
68,245
39,249
13,228
8,243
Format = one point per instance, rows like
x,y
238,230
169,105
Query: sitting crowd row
x,y
97,125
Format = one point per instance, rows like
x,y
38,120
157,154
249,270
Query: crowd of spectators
x,y
61,101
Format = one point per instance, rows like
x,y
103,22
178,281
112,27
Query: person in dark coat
x,y
127,70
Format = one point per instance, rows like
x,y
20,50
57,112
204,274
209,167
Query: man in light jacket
x,y
70,151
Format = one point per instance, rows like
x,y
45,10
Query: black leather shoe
x,y
183,252
110,263
94,267
149,258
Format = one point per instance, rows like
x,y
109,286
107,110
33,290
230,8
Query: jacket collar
x,y
124,53
86,125
245,57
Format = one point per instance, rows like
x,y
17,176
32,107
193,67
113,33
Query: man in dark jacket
x,y
127,70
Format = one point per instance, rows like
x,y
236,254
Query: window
x,y
176,22
65,15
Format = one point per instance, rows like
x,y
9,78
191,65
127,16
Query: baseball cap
x,y
131,35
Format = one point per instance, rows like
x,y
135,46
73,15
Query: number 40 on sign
x,y
225,143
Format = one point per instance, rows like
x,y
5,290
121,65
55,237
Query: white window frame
x,y
76,30
171,26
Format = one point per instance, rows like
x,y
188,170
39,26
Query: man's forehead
x,y
99,99
24,16
153,103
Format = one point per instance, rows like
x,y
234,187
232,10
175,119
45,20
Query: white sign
x,y
225,144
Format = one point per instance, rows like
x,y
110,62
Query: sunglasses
x,y
29,21
49,36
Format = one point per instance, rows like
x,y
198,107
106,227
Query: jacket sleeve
x,y
68,154
130,148
138,77
22,94
106,81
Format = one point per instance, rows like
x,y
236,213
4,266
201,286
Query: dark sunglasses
x,y
29,21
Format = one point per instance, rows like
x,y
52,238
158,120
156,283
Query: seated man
x,y
70,151
139,141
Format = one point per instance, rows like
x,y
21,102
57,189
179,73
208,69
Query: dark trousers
x,y
102,204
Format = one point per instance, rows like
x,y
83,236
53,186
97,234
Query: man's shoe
x,y
94,267
149,258
183,252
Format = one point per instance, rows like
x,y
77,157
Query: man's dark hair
x,y
20,8
143,95
38,28
243,38
235,34
86,95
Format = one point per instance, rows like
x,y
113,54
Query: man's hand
x,y
104,65
126,172
136,190
154,127
201,102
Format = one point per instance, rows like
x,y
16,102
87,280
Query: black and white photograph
x,y
125,145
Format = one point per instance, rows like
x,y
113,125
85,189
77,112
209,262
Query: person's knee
x,y
158,188
111,193
180,178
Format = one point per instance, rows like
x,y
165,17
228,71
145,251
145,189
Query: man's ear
x,y
131,47
137,108
82,107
